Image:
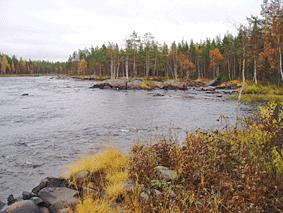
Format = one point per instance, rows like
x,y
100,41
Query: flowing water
x,y
62,119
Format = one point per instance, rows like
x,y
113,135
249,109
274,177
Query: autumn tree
x,y
82,66
4,64
215,60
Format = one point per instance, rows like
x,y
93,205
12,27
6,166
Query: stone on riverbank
x,y
139,85
25,206
59,198
50,182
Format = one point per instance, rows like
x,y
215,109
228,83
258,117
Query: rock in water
x,y
11,200
59,198
26,206
2,204
165,173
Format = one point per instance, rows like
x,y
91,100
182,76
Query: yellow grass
x,y
109,160
114,190
89,205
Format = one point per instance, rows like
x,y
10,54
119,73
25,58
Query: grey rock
x,y
158,95
165,173
25,206
50,182
144,196
11,200
27,195
2,205
38,201
59,198
156,192
214,82
130,185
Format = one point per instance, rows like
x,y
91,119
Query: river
x,y
62,119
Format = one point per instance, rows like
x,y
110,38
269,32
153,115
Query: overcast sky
x,y
53,29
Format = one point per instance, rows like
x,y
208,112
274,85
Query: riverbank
x,y
252,93
223,171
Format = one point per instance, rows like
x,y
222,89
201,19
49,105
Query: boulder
x,y
165,173
59,198
174,85
111,83
134,85
28,195
11,200
214,82
50,182
2,205
38,201
158,95
25,206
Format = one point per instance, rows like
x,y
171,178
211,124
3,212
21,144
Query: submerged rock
x,y
59,198
11,200
2,205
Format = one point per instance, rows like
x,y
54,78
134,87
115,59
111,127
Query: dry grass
x,y
110,160
234,170
89,205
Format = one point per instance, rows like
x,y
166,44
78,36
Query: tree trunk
x,y
127,67
243,65
255,69
175,69
229,69
134,66
147,65
112,68
280,63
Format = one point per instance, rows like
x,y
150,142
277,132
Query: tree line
x,y
254,53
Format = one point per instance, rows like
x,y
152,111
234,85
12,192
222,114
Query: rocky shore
x,y
60,195
121,84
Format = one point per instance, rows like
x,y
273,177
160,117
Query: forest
x,y
254,54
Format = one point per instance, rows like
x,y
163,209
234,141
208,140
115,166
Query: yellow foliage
x,y
114,190
117,177
108,161
89,205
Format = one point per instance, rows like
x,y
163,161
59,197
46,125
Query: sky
x,y
53,29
